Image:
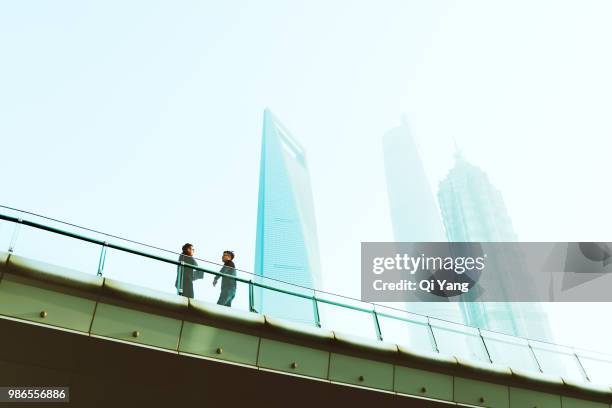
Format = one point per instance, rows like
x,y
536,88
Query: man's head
x,y
188,249
228,256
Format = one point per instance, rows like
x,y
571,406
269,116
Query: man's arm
x,y
195,273
224,271
217,277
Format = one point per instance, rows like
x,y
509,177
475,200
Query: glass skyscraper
x,y
414,213
473,210
287,245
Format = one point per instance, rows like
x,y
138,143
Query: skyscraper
x,y
414,213
287,245
473,210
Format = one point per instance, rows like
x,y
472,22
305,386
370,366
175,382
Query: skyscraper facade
x,y
473,210
414,213
287,246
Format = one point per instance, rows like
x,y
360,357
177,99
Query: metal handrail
x,y
176,253
380,313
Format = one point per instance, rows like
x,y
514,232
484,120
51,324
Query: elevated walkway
x,y
112,342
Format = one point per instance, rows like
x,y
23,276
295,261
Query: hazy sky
x,y
143,119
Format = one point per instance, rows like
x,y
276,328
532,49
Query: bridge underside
x,y
102,373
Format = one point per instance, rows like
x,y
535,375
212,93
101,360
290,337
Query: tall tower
x,y
287,246
414,213
473,210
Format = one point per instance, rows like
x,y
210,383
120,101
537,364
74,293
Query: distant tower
x,y
414,213
473,210
287,246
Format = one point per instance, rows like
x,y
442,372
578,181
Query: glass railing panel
x,y
140,270
271,299
405,328
56,249
241,297
557,360
460,341
510,351
240,300
203,288
205,291
346,315
58,225
598,366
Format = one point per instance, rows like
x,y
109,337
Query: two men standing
x,y
185,275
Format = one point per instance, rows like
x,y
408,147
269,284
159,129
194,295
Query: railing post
x,y
377,325
533,354
11,247
315,310
102,259
484,343
433,337
251,297
584,373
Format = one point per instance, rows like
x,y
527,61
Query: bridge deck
x,y
113,341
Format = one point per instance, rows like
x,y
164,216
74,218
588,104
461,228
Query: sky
x,y
143,119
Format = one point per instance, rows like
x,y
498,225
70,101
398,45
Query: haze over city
x,y
144,119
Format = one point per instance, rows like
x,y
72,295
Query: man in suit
x,y
228,284
186,275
